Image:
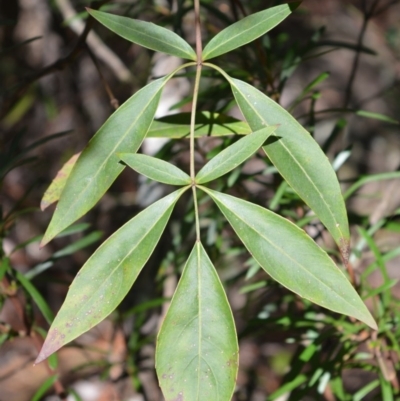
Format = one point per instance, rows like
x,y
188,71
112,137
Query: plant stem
x,y
368,14
199,52
193,119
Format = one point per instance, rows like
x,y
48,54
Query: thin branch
x,y
199,48
262,54
56,66
99,48
113,100
368,14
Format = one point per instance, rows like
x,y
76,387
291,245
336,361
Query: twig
x,y
102,52
113,100
349,88
56,66
368,14
261,53
199,53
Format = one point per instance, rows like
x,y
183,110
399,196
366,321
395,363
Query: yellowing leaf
x,y
56,187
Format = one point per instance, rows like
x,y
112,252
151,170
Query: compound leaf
x,y
146,34
107,276
155,169
291,257
233,155
197,349
246,30
299,159
98,165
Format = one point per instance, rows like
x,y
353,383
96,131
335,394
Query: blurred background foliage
x,y
334,64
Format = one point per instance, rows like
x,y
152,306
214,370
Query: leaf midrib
x,y
200,316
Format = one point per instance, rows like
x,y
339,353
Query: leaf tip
x,y
43,354
369,320
372,324
44,205
45,240
54,341
39,359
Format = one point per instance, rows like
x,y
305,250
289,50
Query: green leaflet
x,y
146,34
108,275
197,349
155,169
246,30
291,257
207,124
98,165
233,155
299,160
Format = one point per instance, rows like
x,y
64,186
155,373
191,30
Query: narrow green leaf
x,y
299,159
386,388
291,257
207,124
233,155
288,386
108,275
361,394
252,287
246,30
320,78
155,169
381,289
4,266
370,178
98,165
146,34
56,187
377,116
42,390
36,296
197,349
76,246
